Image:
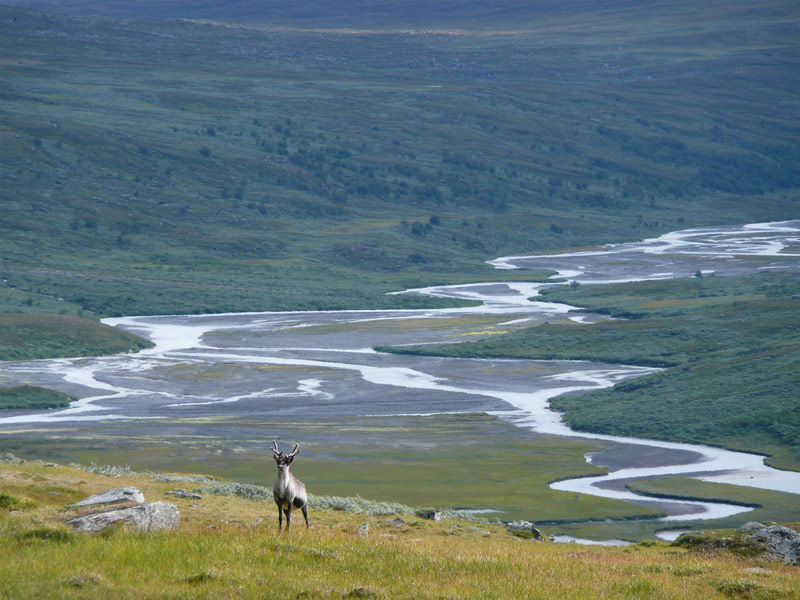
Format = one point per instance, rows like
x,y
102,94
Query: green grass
x,y
32,397
229,546
175,167
30,336
731,345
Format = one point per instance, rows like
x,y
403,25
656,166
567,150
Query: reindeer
x,y
288,491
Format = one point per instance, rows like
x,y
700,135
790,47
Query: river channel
x,y
332,369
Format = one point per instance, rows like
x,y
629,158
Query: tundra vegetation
x,y
30,397
171,166
30,336
226,546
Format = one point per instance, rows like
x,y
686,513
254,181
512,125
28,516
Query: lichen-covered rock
x,y
115,496
143,517
751,526
780,543
526,528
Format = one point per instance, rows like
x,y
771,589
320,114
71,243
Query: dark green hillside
x,y
31,397
473,15
174,167
27,336
732,345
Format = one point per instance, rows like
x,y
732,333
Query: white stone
x,y
143,517
115,496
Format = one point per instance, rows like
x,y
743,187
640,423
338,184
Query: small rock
x,y
115,496
397,520
363,530
184,494
360,592
478,530
751,526
143,517
431,515
757,570
256,522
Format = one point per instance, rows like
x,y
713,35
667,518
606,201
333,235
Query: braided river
x,y
332,368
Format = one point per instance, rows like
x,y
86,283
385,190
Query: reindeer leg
x,y
280,518
288,512
305,514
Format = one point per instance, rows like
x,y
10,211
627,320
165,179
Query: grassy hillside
x,y
29,336
228,546
173,167
731,344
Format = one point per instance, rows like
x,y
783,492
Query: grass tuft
x,y
46,534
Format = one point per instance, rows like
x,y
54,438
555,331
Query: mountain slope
x,y
168,166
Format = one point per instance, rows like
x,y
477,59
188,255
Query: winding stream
x,y
280,364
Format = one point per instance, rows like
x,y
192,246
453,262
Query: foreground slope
x,y
229,546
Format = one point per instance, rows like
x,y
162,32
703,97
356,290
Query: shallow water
x,y
317,364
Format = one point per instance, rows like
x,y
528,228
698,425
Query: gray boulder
x,y
143,517
751,526
524,527
779,543
116,496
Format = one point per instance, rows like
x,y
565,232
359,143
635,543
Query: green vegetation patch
x,y
731,345
31,336
32,397
9,502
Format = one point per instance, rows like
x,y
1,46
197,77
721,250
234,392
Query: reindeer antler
x,y
295,450
277,452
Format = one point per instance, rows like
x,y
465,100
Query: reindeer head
x,y
283,460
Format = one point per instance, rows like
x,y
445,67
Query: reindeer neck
x,y
284,477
